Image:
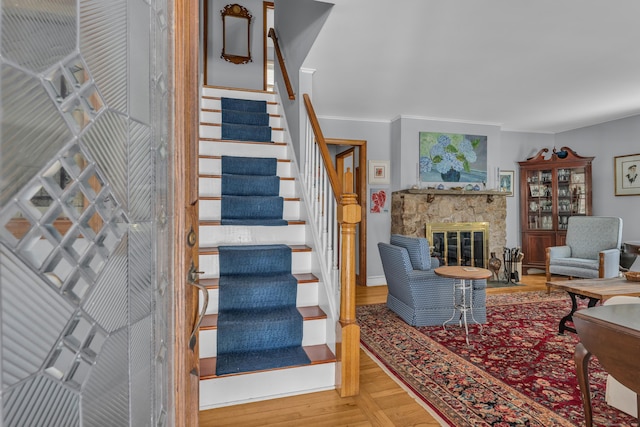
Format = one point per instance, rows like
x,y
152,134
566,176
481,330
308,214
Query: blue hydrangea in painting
x,y
452,157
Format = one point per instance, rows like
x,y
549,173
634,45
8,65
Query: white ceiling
x,y
525,65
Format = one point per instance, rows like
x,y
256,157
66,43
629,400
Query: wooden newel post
x,y
348,331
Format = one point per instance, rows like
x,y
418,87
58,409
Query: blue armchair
x,y
591,249
416,294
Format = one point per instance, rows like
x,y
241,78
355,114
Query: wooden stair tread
x,y
239,141
314,312
213,282
220,124
215,176
210,156
214,198
216,222
213,250
237,89
318,354
215,110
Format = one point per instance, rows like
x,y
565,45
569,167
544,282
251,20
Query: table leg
x,y
471,305
569,317
455,303
581,358
463,305
574,305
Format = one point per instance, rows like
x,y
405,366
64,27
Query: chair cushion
x,y
418,249
575,262
588,235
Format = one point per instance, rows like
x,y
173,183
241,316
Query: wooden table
x,y
463,282
612,334
594,289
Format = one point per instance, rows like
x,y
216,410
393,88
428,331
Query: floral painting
x,y
379,202
452,157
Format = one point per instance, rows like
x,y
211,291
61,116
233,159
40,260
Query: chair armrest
x,y
610,263
421,275
615,253
560,252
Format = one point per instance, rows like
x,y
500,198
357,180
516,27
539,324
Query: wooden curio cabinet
x,y
553,186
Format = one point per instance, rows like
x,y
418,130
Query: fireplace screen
x,y
459,243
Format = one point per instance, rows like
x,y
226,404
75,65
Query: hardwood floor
x,y
381,402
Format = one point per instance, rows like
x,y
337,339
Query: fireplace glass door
x,y
463,244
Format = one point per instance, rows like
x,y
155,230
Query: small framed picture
x,y
506,182
535,190
379,172
626,175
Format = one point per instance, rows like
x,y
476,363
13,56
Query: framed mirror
x,y
236,34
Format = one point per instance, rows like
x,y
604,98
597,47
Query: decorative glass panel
x,y
59,84
77,70
71,158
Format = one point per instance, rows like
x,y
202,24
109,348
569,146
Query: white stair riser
x,y
307,296
211,187
210,209
300,263
237,389
239,149
313,333
208,166
232,93
207,131
216,117
216,235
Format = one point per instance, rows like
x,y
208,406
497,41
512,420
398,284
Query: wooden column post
x,y
348,331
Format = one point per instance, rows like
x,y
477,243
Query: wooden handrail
x,y
322,145
348,215
283,67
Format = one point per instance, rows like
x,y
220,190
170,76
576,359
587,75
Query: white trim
x,y
376,281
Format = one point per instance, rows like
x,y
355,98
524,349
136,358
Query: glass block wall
x,y
85,239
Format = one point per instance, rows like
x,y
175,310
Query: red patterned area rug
x,y
516,370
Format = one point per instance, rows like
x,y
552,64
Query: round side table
x,y
463,282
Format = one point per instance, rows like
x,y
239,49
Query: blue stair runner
x,y
250,192
259,326
245,120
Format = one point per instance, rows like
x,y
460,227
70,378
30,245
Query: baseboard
x,y
376,281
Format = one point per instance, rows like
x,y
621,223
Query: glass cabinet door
x,y
540,199
578,191
572,195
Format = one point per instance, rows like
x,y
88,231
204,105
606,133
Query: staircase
x,y
289,232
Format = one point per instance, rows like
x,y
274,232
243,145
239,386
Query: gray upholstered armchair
x,y
591,250
416,293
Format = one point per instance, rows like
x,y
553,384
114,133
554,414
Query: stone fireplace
x,y
412,210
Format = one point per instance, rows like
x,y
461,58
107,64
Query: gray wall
x,y
605,141
297,24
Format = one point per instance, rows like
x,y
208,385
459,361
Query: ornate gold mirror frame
x,y
236,34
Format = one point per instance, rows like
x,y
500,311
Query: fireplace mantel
x,y
432,192
412,209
